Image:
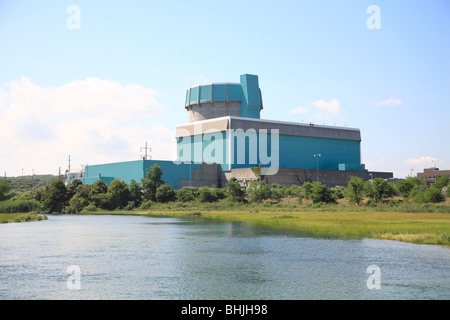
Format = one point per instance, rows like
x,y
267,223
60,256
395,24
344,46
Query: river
x,y
139,257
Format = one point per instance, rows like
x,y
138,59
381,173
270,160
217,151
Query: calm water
x,y
135,257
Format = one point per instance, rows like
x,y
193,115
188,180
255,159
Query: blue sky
x,y
98,92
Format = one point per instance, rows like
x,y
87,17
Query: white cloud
x,y
424,161
333,107
299,110
325,108
93,120
388,102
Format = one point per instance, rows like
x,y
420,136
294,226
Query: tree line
x,y
77,197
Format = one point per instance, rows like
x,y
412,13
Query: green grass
x,y
20,217
19,206
415,227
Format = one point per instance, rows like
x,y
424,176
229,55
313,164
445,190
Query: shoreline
x,y
419,228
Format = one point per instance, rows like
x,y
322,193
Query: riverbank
x,y
420,228
20,217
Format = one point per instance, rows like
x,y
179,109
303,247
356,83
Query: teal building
x,y
225,136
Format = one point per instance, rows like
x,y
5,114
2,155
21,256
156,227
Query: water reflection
x,y
135,257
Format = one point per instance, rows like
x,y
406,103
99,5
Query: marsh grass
x,y
20,217
425,228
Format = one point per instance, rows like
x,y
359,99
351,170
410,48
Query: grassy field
x,y
423,228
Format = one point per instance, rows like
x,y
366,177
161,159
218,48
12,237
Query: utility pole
x,y
435,167
69,163
145,148
317,155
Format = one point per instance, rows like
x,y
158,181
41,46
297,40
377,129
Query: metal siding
x,y
219,92
205,93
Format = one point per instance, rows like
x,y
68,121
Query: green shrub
x,y
90,208
147,204
321,193
187,194
258,191
165,193
234,190
433,194
16,206
206,194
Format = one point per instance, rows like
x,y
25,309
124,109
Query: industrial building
x,y
429,175
225,137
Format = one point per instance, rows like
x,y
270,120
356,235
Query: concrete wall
x,y
205,175
289,177
217,109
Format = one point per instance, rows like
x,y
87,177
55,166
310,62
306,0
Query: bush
x,y
277,192
258,191
130,206
147,204
55,197
76,204
207,195
219,193
17,206
338,192
355,190
321,193
293,191
433,194
186,194
379,189
90,208
165,193
4,189
234,190
118,194
306,189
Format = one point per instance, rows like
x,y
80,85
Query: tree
x,y
379,189
152,181
72,187
4,189
355,190
55,198
186,194
441,182
406,186
99,187
321,193
97,194
77,203
207,195
433,194
277,191
118,194
135,192
307,188
258,191
234,190
165,193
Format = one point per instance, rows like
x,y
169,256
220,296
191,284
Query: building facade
x,y
225,137
430,174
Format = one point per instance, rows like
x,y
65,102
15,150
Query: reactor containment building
x,y
225,137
